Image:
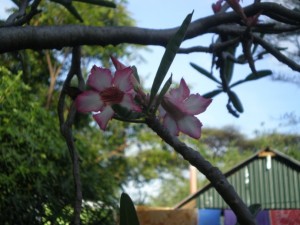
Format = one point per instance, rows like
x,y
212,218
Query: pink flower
x,y
179,109
107,90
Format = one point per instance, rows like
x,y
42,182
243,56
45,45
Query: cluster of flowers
x,y
177,109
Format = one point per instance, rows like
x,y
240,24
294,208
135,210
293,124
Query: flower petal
x,y
118,65
196,104
180,93
88,101
129,103
103,117
191,126
171,125
100,78
123,80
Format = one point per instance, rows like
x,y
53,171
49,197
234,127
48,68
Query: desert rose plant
x,y
166,111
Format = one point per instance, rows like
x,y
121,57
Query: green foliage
x,y
172,191
156,159
32,153
36,181
289,144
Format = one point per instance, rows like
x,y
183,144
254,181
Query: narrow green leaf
x,y
74,12
258,75
99,2
212,93
235,101
162,93
204,72
128,214
125,113
135,74
168,57
253,76
229,65
68,5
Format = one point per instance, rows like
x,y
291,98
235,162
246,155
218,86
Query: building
x,y
269,178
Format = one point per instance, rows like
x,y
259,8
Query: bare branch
x,y
66,129
57,37
213,174
212,48
195,49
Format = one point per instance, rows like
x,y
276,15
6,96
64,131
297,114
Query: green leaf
x,y
125,113
235,101
99,2
212,93
258,75
168,57
162,93
128,214
229,65
135,73
205,72
253,76
68,5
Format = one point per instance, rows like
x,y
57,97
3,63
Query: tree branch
x,y
213,174
66,129
214,47
20,18
56,37
276,53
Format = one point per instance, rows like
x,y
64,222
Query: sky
x,y
264,101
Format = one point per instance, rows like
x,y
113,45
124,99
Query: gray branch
x,y
57,37
213,174
66,129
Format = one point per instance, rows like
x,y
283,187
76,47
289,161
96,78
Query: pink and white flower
x,y
107,90
178,110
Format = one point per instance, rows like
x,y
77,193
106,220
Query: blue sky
x,y
264,101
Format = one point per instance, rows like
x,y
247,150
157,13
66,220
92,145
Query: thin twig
x,y
214,47
213,174
19,18
66,129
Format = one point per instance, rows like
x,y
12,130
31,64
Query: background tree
x,y
47,164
